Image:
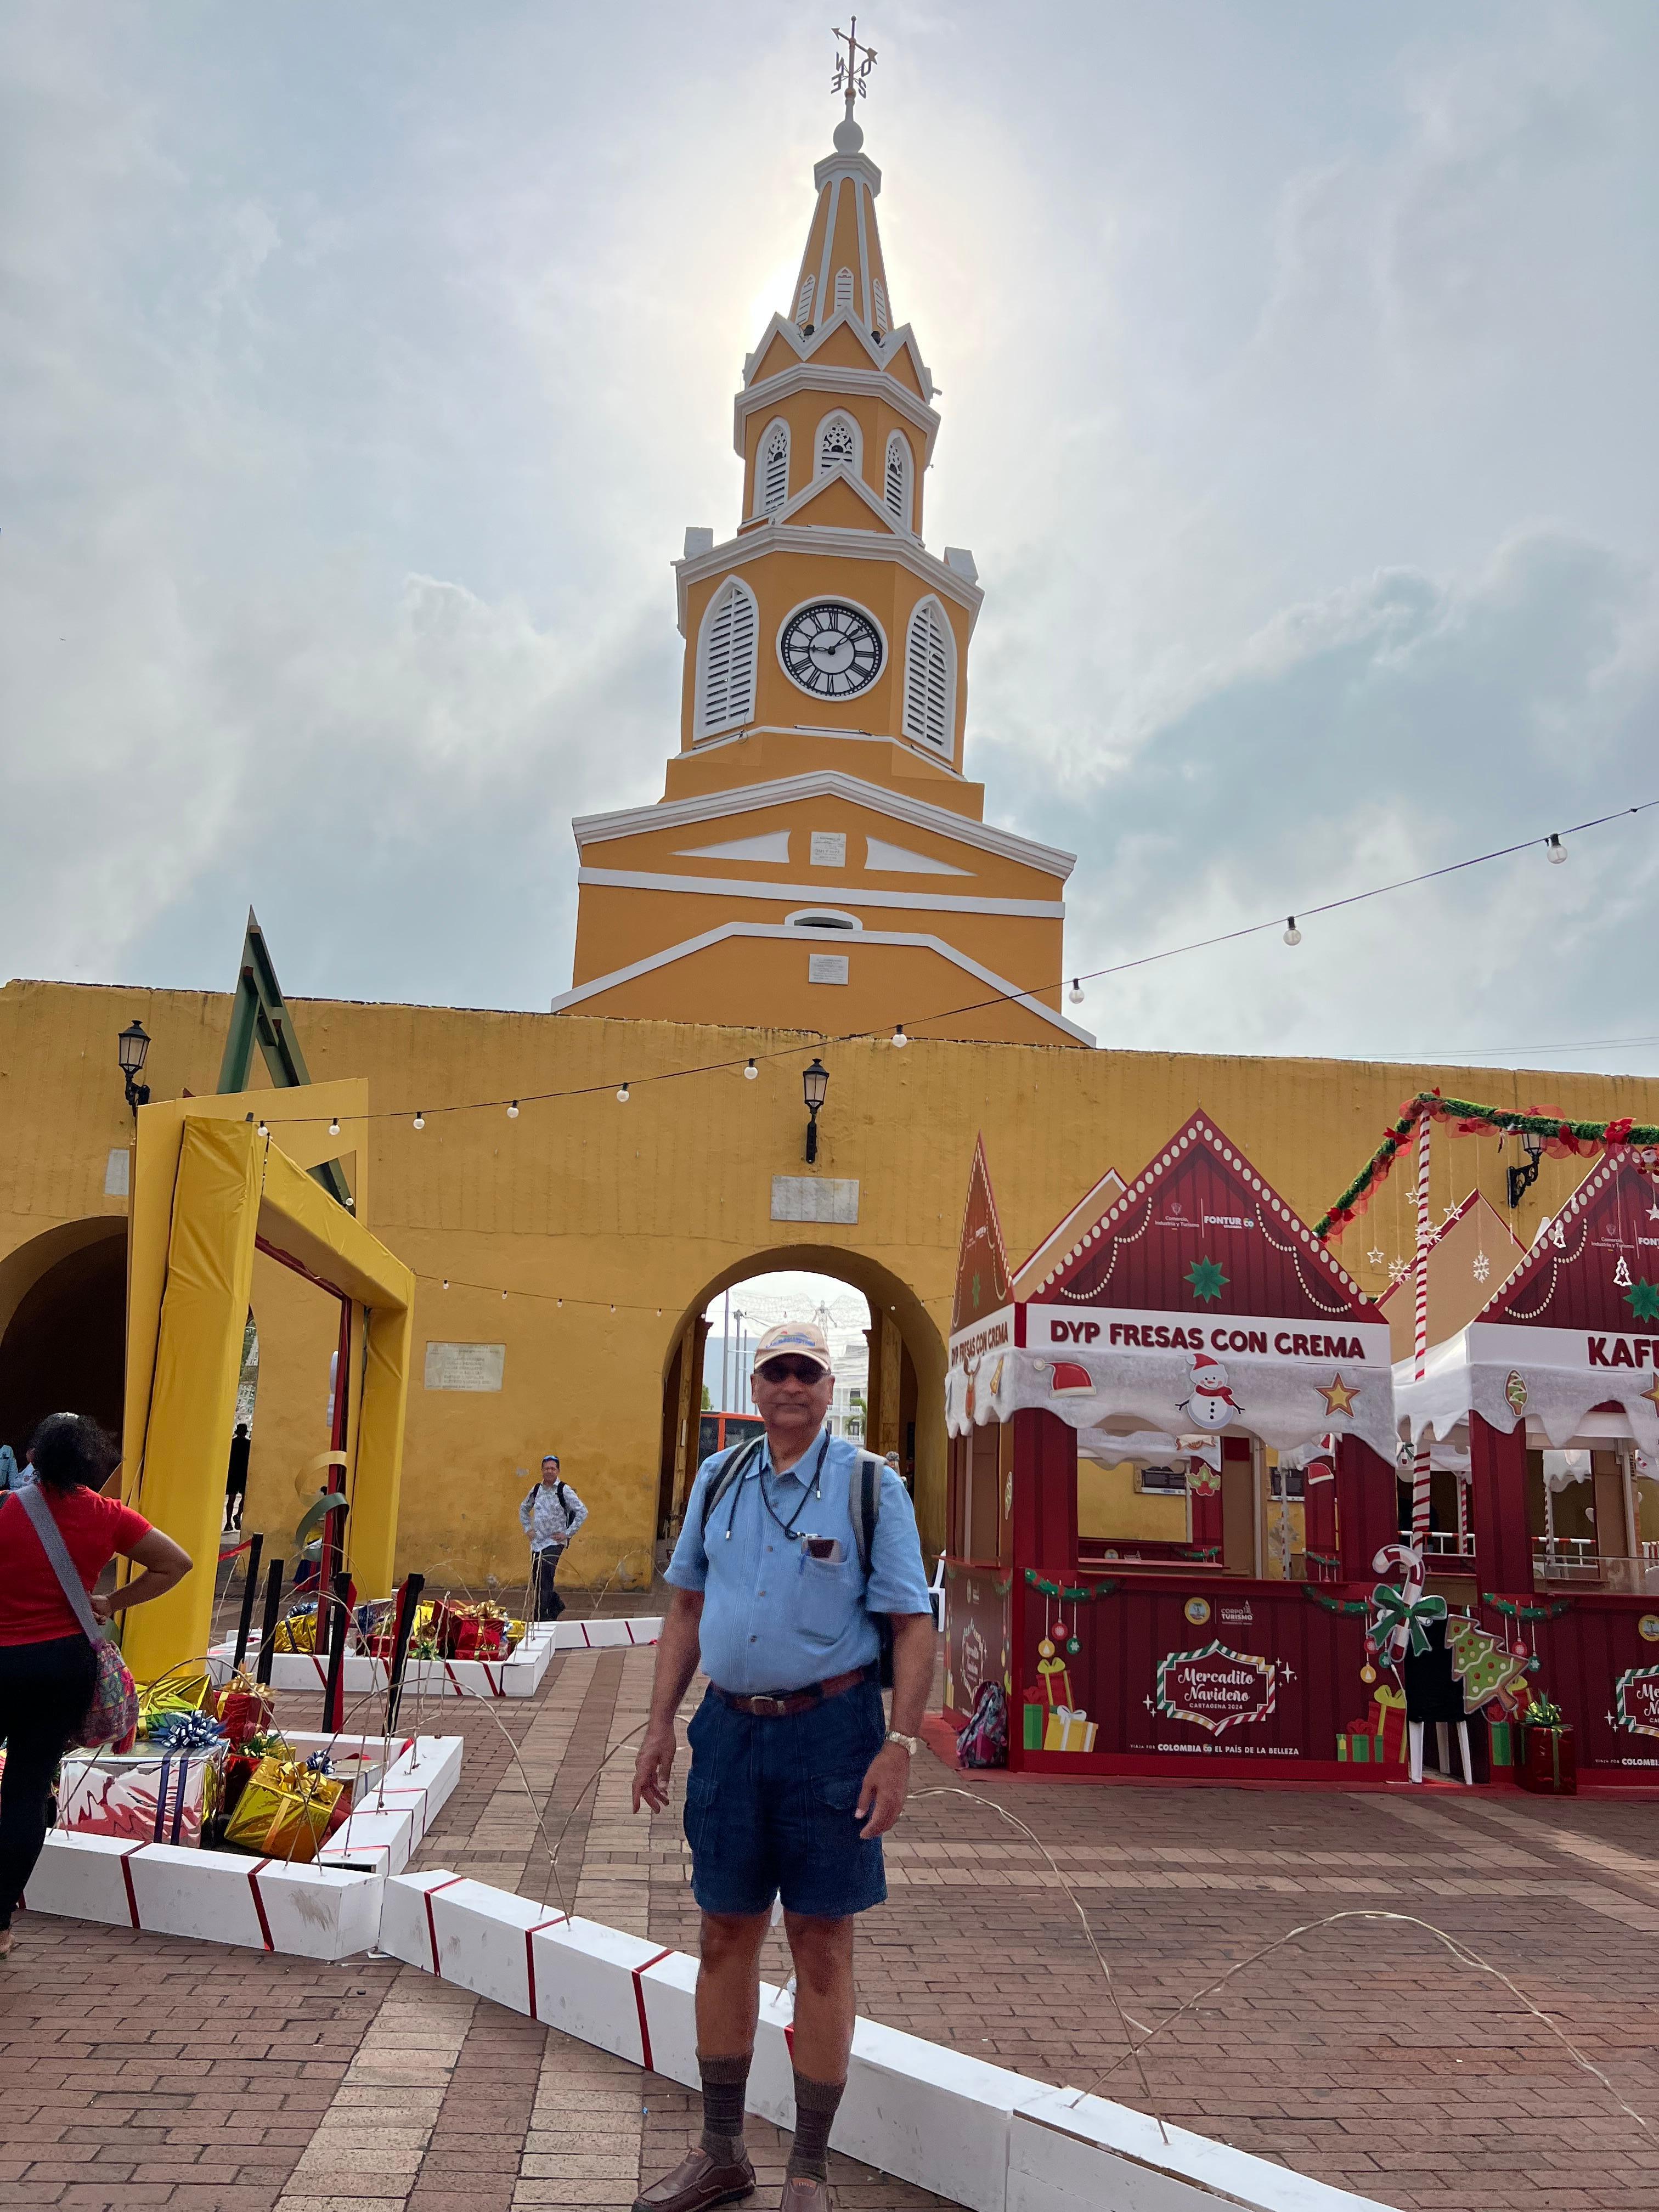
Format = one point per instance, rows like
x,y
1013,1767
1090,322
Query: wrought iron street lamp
x,y
815,1082
1523,1179
132,1045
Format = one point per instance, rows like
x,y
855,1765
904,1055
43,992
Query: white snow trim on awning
x,y
1552,1378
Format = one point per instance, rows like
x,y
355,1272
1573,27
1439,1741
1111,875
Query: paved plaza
x,y
141,2070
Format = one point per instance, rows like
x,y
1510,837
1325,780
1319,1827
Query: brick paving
x,y
140,2071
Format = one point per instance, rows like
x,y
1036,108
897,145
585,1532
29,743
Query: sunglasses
x,y
791,1370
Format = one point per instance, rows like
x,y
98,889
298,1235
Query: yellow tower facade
x,y
819,857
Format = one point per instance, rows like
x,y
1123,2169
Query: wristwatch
x,y
912,1743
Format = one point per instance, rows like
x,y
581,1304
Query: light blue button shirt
x,y
773,1617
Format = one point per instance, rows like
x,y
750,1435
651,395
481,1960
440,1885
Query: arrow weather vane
x,y
850,71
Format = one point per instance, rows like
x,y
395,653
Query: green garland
x,y
1353,1606
1579,1137
1514,1609
1077,1597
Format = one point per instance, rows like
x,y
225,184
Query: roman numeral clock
x,y
830,650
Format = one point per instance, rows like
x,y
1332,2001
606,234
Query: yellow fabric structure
x,y
206,1188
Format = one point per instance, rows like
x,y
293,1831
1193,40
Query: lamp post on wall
x,y
1522,1180
132,1047
815,1083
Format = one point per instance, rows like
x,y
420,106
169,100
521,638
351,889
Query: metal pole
x,y
409,1600
256,1544
339,1622
273,1614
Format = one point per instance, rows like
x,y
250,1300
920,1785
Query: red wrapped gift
x,y
1548,1764
244,1708
475,1638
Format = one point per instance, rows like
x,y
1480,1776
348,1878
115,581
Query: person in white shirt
x,y
549,1516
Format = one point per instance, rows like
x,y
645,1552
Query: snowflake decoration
x,y
1398,1270
1482,1266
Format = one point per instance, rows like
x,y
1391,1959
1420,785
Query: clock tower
x,y
820,859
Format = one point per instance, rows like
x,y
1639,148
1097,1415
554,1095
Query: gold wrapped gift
x,y
180,1693
296,1632
284,1811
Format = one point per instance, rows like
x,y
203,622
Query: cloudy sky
x,y
363,366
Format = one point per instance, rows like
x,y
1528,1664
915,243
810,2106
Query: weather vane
x,y
850,71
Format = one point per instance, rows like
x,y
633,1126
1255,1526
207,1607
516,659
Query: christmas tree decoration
x,y
1621,1274
1482,1666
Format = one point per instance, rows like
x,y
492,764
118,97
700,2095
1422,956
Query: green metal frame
x,y
258,1016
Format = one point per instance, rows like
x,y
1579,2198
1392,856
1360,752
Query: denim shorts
x,y
770,1807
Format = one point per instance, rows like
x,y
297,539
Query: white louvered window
x,y
883,320
843,291
838,444
773,471
804,305
898,479
726,664
930,678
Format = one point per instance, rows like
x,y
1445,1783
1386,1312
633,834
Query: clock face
x,y
830,650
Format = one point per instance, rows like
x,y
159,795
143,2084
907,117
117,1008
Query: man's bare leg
x,y
728,1983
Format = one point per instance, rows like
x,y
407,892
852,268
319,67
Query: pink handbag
x,y
113,1715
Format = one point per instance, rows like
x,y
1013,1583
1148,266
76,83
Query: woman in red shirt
x,y
46,1668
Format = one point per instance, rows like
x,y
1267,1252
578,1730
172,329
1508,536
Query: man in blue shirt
x,y
795,1774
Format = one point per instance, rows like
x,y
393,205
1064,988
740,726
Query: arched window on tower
x,y
804,305
725,659
772,470
898,479
838,444
843,291
930,678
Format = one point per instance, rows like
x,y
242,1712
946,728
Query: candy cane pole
x,y
1420,1332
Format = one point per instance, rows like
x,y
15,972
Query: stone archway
x,y
907,1375
63,1326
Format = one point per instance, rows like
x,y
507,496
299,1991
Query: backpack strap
x,y
737,1467
866,1508
57,1551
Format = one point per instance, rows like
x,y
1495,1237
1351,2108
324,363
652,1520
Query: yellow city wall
x,y
655,1204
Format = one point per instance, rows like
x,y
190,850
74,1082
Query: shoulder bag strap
x,y
52,1544
869,1508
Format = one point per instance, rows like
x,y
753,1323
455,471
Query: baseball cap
x,y
793,1339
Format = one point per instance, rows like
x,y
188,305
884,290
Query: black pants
x,y
545,1603
45,1690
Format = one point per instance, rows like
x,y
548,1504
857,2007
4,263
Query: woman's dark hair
x,y
69,1451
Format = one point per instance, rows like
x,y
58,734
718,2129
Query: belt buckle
x,y
773,1706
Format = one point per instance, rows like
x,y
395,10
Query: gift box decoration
x,y
297,1631
1360,1746
1500,1736
1068,1730
1547,1762
474,1632
180,1693
286,1811
161,1797
245,1707
1034,1714
1389,1723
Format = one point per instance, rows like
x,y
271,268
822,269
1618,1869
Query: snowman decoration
x,y
1210,1403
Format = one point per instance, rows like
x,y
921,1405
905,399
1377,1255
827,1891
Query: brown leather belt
x,y
767,1706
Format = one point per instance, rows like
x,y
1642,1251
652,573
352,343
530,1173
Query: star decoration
x,y
1339,1396
1653,1213
1652,1391
1377,1255
1205,1280
1447,1215
1642,1299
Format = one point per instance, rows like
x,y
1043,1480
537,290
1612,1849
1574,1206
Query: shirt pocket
x,y
827,1599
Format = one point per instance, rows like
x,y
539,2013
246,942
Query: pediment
x,y
838,499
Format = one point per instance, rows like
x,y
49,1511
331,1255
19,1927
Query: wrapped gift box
x,y
286,1812
146,1795
1359,1747
1068,1730
1547,1763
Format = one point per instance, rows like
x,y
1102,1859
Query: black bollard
x,y
256,1544
409,1602
339,1620
273,1614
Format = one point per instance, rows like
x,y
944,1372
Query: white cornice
x,y
642,880
858,383
804,347
847,164
911,749
1000,984
758,539
822,783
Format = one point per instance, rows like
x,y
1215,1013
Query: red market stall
x,y
1552,1392
1171,1464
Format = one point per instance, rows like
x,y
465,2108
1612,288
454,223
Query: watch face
x,y
830,650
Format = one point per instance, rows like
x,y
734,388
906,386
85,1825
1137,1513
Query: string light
x,y
750,1073
513,1111
446,1282
1292,934
622,1095
264,1131
1555,851
420,1118
1075,994
334,1126
899,1038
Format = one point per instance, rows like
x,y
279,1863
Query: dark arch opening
x,y
63,1345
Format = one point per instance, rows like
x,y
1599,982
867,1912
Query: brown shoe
x,y
804,2192
695,2184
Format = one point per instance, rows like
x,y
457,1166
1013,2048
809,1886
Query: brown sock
x,y
816,2104
724,2080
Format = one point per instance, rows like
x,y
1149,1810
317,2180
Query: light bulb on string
x,y
264,1131
1075,994
334,1126
1292,934
513,1111
899,1038
622,1095
750,1072
446,1282
420,1118
1555,851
